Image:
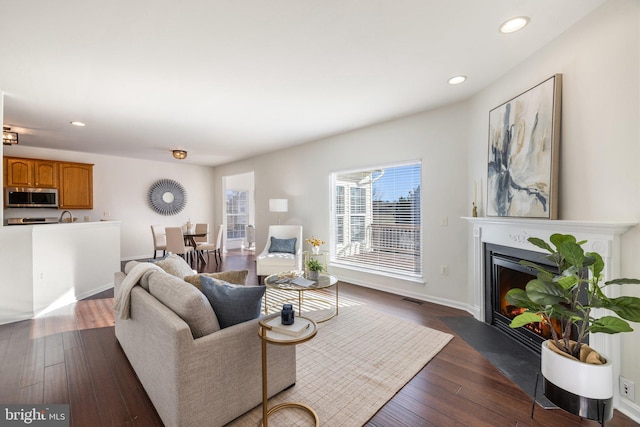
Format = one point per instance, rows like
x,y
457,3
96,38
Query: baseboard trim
x,y
630,409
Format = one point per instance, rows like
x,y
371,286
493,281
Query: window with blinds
x,y
376,219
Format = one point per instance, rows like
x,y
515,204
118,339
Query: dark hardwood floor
x,y
71,356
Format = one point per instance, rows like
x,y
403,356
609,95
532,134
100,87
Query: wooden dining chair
x,y
159,240
175,244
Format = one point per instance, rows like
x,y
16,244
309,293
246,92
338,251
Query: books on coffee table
x,y
301,281
295,330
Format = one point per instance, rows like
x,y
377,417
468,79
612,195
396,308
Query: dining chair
x,y
159,240
175,243
200,229
216,246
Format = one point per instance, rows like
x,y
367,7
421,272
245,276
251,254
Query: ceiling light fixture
x,y
456,80
514,24
8,137
76,123
179,154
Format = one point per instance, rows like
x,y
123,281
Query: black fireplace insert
x,y
503,272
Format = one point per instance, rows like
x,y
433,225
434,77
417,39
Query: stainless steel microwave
x,y
26,197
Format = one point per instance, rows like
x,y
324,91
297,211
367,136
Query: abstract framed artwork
x,y
524,145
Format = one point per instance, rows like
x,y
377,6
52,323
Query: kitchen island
x,y
45,266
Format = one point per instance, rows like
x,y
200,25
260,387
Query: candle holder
x,y
474,211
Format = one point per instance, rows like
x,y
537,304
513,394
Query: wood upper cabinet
x,y
45,174
19,172
30,173
75,190
74,181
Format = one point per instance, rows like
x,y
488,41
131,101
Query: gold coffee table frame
x,y
267,335
324,281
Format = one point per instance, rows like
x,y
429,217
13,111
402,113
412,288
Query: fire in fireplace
x,y
503,272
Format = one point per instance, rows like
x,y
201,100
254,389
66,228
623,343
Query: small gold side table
x,y
268,335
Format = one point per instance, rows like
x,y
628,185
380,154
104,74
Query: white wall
x,y
301,174
600,143
45,266
120,188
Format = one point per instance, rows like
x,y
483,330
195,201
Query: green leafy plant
x,y
556,295
315,265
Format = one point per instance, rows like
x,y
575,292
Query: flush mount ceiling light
x,y
179,154
456,80
8,137
76,123
514,24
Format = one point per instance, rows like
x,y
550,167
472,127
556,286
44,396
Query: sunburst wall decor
x,y
167,197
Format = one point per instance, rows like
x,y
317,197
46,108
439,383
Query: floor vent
x,y
415,301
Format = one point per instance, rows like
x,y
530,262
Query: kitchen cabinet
x,y
75,189
74,181
19,172
30,173
45,174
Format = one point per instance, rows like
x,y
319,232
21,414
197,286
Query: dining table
x,y
190,237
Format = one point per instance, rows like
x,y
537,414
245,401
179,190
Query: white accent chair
x,y
275,262
204,245
175,243
159,240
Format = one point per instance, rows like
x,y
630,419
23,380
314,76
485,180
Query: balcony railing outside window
x,y
377,219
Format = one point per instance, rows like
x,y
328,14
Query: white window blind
x,y
376,219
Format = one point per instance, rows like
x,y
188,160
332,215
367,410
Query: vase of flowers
x,y
315,244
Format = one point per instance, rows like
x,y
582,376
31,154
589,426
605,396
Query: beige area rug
x,y
352,367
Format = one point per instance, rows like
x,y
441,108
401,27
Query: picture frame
x,y
524,147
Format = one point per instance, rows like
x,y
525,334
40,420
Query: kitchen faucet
x,y
62,214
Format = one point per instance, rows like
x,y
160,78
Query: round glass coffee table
x,y
296,282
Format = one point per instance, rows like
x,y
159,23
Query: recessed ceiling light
x,y
76,123
456,80
514,24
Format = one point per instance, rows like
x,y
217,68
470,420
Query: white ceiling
x,y
229,79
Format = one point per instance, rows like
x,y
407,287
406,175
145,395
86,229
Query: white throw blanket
x,y
122,301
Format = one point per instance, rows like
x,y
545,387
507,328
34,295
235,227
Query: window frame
x,y
405,221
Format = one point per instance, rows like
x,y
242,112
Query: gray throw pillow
x,y
232,304
175,265
283,245
185,301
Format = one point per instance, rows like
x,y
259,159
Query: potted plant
x,y
315,267
566,298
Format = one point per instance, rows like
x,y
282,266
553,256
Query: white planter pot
x,y
581,388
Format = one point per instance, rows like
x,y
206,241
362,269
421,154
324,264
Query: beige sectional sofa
x,y
195,373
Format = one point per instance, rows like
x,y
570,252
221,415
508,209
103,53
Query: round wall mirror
x,y
167,197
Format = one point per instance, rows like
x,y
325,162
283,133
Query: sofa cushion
x,y
185,301
233,304
238,277
283,245
175,265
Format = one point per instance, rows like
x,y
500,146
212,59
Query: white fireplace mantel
x,y
601,237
